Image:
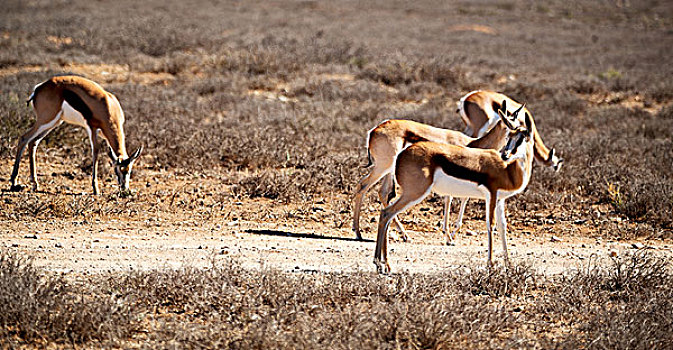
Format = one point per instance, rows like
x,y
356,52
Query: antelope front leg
x,y
32,149
445,220
502,227
459,221
95,148
491,200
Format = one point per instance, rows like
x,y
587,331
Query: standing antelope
x,y
479,111
389,138
452,170
79,101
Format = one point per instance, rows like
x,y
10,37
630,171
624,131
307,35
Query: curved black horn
x,y
133,157
136,154
519,110
506,120
111,153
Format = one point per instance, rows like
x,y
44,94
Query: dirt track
x,y
194,225
102,246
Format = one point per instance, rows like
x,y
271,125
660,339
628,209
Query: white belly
x,y
446,185
72,116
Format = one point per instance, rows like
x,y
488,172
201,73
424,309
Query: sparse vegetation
x,y
269,102
626,304
39,308
288,103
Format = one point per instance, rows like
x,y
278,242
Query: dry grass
x,y
246,100
40,308
300,134
625,305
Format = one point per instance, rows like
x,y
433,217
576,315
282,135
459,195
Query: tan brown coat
x,y
478,110
77,100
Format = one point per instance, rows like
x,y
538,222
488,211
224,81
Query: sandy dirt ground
x,y
82,247
259,233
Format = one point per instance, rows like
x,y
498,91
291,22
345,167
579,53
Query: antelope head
x,y
123,167
518,135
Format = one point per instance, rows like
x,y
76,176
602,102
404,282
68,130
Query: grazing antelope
x,y
479,111
79,101
458,171
389,138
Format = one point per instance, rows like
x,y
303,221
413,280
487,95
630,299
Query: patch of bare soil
x,y
623,99
103,73
157,238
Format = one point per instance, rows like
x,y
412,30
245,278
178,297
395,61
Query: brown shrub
x,y
41,308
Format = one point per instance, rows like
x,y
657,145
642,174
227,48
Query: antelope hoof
x,y
381,267
451,243
16,188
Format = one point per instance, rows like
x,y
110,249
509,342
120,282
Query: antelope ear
x,y
136,154
506,120
502,114
111,153
528,121
503,107
551,155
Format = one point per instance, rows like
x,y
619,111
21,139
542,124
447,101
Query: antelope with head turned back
x,y
79,101
451,170
479,111
390,137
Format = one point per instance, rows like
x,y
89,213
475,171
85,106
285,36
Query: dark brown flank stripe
x,y
410,137
459,171
78,104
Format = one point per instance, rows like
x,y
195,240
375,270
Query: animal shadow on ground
x,y
281,233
